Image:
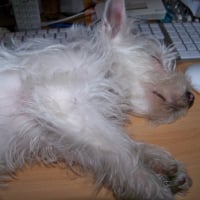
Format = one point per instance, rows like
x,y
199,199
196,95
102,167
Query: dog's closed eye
x,y
159,95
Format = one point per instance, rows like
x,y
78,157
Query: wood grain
x,y
181,138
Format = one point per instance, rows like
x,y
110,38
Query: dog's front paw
x,y
170,171
173,176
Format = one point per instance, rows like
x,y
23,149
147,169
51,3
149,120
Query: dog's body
x,y
68,103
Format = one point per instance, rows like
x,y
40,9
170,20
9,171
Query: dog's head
x,y
157,91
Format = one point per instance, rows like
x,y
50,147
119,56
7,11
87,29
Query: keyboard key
x,y
60,35
180,46
198,45
196,39
173,34
159,36
189,54
176,40
190,46
186,39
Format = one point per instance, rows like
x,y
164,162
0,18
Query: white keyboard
x,y
184,36
57,34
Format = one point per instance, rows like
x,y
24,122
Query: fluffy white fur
x,y
68,103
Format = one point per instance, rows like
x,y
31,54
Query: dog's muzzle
x,y
190,98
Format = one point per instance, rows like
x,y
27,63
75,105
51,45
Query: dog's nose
x,y
190,98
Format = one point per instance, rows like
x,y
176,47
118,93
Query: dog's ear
x,y
114,18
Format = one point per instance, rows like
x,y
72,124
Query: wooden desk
x,y
181,138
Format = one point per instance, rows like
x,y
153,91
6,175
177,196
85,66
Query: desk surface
x,y
181,138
